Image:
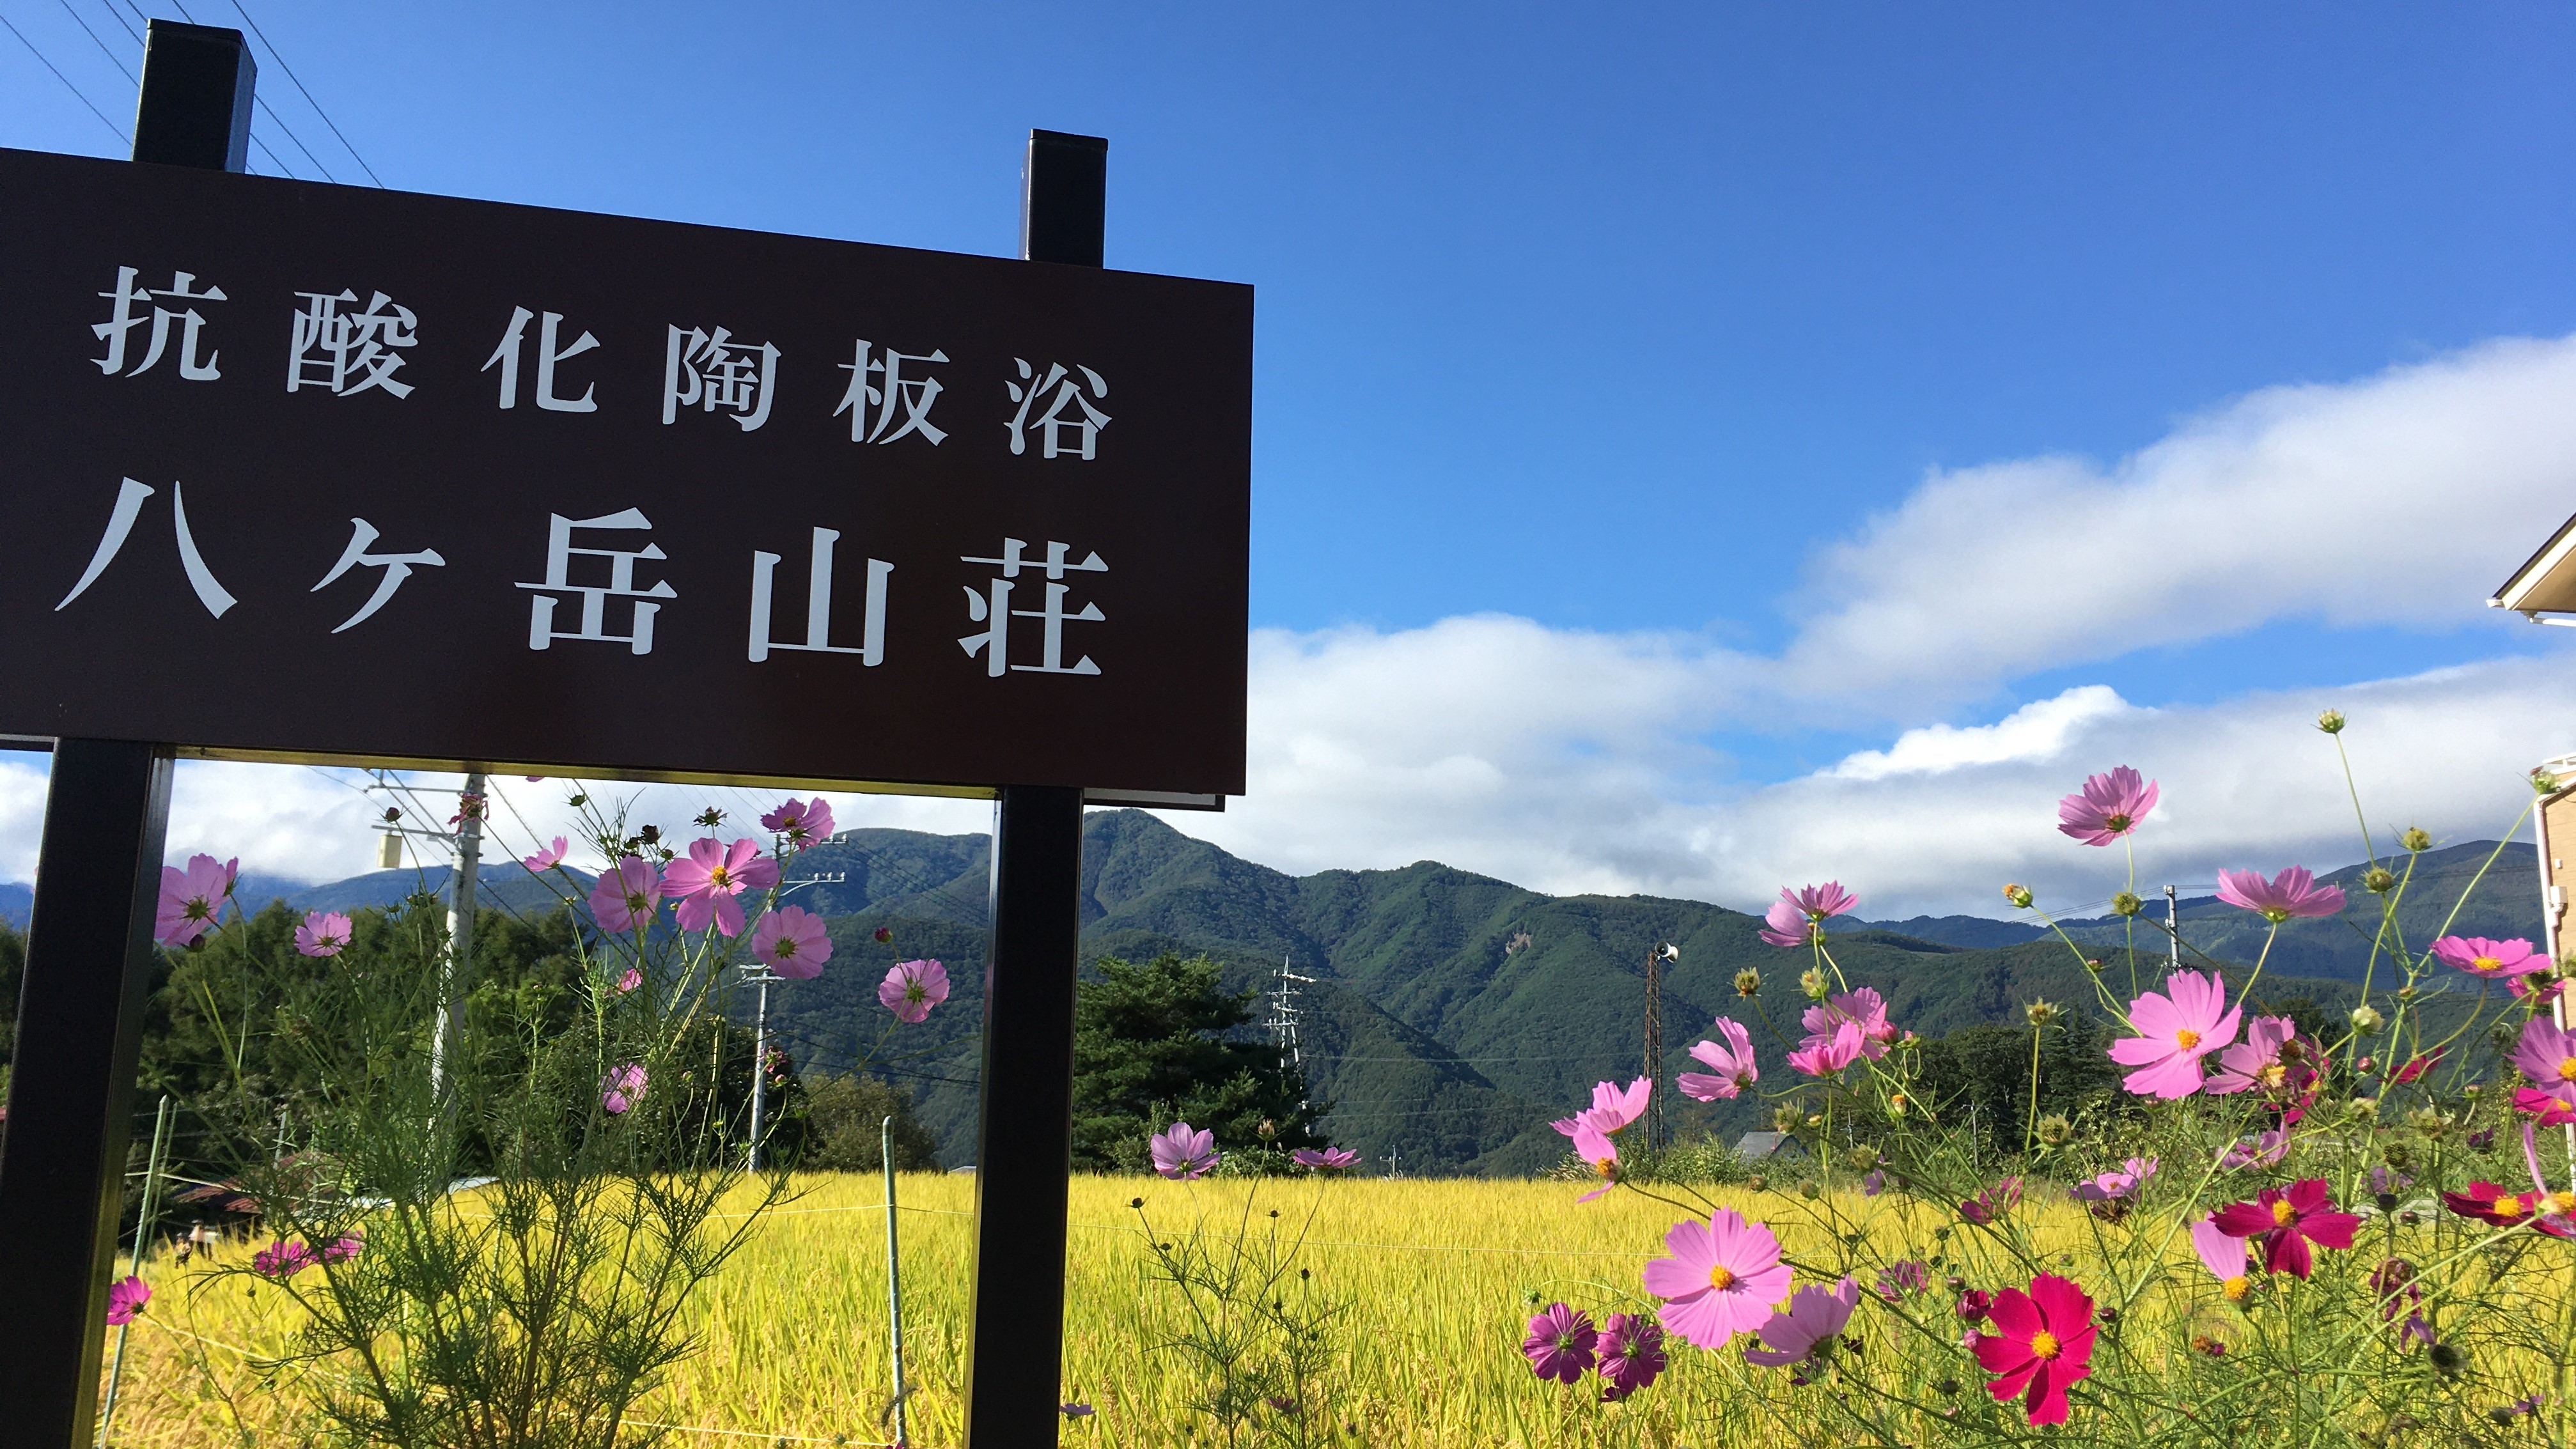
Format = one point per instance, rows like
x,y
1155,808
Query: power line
x,y
308,99
94,40
66,80
119,17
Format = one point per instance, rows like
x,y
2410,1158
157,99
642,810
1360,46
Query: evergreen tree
x,y
1153,1044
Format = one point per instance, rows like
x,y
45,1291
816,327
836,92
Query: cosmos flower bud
x,y
1807,1190
2544,783
2397,1155
1896,1105
2019,895
2042,1012
1786,1119
2416,839
2427,1123
2126,903
2331,721
1757,1182
1814,983
2379,880
2367,1020
1267,1130
1748,982
2054,1130
2362,1108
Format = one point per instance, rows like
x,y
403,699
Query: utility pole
x,y
2173,927
1282,1025
460,928
1656,956
760,1059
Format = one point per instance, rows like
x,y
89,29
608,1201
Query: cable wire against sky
x,y
112,127
308,100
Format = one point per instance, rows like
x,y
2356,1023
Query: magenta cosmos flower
x,y
2108,807
1724,1277
1863,1008
2293,892
2271,1059
281,1260
2286,1220
1811,1321
1331,1159
627,896
1614,1107
1798,917
2114,1186
192,897
1730,1067
2175,1030
629,981
2036,1344
709,878
1632,1353
2225,1257
623,1088
1993,1202
2492,959
800,822
125,1298
1821,1056
1181,1154
2547,1055
322,933
548,858
791,942
1559,1343
911,988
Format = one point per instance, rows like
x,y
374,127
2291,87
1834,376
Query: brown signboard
x,y
302,471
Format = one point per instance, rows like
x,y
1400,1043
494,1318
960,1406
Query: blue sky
x,y
1619,323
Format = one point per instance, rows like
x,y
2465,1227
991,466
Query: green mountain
x,y
1451,1015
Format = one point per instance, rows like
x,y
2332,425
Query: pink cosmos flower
x,y
1724,1277
709,878
191,898
2287,1220
1559,1343
125,1298
1331,1159
2293,892
2225,1258
791,942
1823,1056
281,1260
623,1088
1798,917
1811,1321
343,1248
911,988
1598,1152
548,858
2267,1150
1181,1154
322,933
1632,1353
627,897
2114,1186
1863,1008
1616,1107
801,822
2174,1032
2492,959
2040,1341
2270,1059
2108,807
2547,1055
628,982
2532,991
1731,1068
1911,1275
1993,1202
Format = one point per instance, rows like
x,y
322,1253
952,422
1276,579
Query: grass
x,y
1437,1274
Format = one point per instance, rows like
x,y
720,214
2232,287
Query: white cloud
x,y
2038,729
2402,498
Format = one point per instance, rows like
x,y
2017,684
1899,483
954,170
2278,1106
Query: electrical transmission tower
x,y
1656,956
1285,1014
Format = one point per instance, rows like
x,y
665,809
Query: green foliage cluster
x,y
1151,1047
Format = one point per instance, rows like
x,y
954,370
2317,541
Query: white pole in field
x,y
760,1065
2173,927
460,929
894,1280
142,1244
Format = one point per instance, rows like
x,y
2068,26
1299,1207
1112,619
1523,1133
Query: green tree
x,y
843,1118
1152,1045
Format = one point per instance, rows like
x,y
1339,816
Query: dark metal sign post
x,y
656,501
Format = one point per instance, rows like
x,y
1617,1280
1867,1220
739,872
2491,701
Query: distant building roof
x,y
1754,1146
2547,583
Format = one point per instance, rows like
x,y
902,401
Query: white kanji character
x,y
124,320
397,567
350,352
506,357
120,522
594,598
914,394
992,607
1068,394
710,370
818,605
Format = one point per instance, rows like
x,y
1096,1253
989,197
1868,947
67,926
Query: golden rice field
x,y
794,1329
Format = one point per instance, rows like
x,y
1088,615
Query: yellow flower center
x,y
2283,1214
2044,1344
2117,823
2485,963
2236,1288
2567,1070
2565,1202
2273,1074
2509,1205
786,946
2187,1038
1608,1167
719,877
1721,1277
